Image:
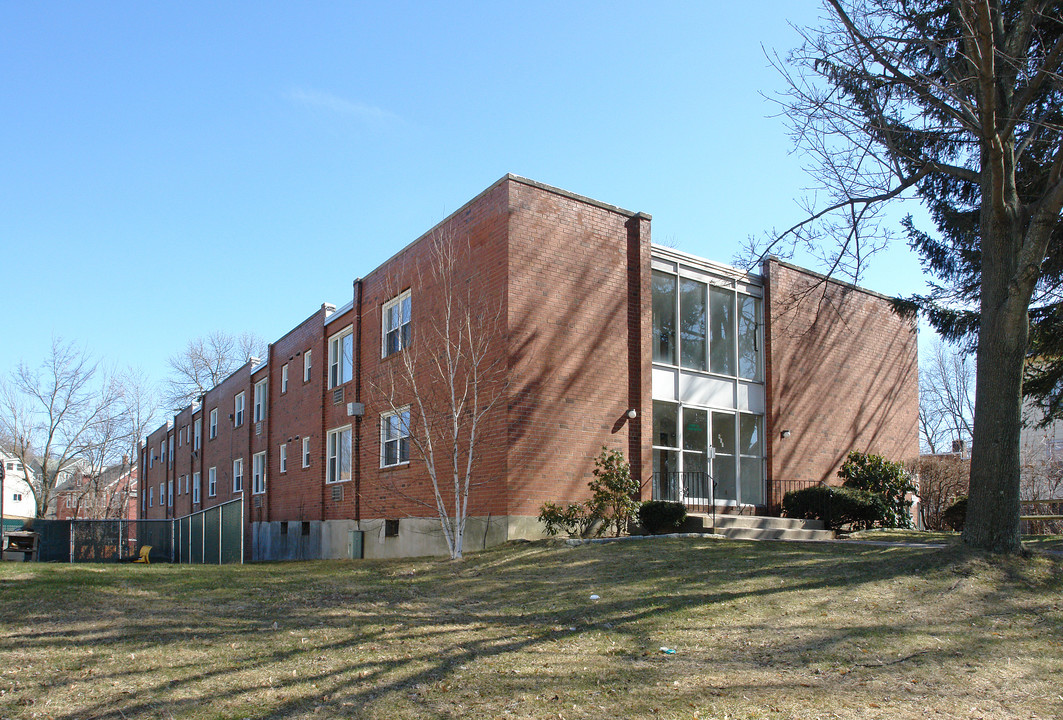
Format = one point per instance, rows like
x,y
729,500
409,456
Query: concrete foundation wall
x,y
332,539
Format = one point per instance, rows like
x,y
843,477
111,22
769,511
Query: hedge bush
x,y
955,516
835,506
612,504
657,516
884,478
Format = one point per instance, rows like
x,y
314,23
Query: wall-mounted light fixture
x,y
786,433
632,413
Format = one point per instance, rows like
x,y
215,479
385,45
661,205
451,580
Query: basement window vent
x,y
391,528
258,501
306,528
337,396
337,493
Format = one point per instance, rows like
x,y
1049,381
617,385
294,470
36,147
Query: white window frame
x,y
306,452
307,366
258,473
283,458
212,482
337,356
196,481
284,378
334,447
385,326
260,401
169,458
162,493
404,414
238,409
151,497
238,475
213,430
197,434
169,494
17,497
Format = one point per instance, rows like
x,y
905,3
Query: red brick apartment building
x,y
760,381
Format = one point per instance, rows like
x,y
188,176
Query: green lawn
x,y
759,630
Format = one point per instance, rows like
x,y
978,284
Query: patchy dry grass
x,y
1051,543
760,630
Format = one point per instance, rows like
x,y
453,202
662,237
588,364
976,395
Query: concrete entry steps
x,y
753,527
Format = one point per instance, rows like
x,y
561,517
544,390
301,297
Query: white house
x,y
19,501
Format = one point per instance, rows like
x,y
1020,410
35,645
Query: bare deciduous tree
x,y
111,447
943,479
447,382
205,362
946,398
50,413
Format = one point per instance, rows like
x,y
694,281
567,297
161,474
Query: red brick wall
x,y
579,318
477,234
292,416
842,375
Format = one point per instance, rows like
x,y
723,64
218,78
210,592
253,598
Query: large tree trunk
x,y
993,504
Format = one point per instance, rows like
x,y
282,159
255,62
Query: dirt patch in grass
x,y
759,630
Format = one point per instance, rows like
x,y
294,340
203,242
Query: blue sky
x,y
164,166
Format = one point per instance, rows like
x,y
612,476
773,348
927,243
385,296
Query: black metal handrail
x,y
696,490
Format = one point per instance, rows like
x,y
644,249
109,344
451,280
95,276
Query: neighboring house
x,y
19,501
722,388
110,495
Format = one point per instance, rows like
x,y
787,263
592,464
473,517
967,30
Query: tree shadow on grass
x,y
395,631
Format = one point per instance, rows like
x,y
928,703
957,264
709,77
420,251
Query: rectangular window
x,y
341,358
692,324
238,475
260,401
396,324
213,433
284,457
151,497
212,482
395,438
258,473
162,493
339,455
195,488
169,494
306,366
181,438
751,460
17,497
162,452
306,452
723,464
238,410
197,434
722,331
749,337
284,378
664,294
666,477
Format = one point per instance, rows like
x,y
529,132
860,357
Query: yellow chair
x,y
144,552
